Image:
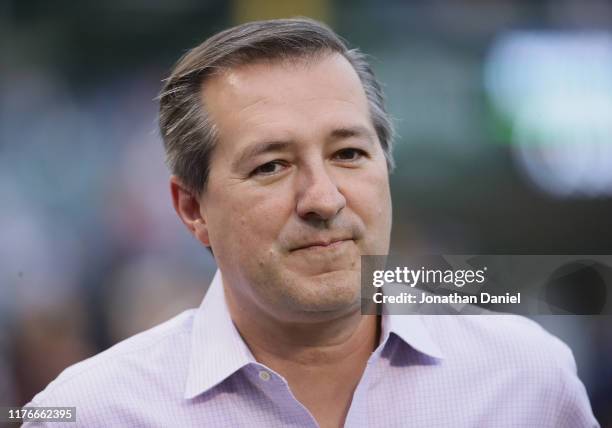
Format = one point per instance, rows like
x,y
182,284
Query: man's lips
x,y
334,243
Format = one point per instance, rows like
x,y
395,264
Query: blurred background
x,y
504,115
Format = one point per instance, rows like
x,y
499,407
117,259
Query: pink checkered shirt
x,y
428,371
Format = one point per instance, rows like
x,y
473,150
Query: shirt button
x,y
264,375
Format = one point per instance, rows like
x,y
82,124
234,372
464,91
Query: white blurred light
x,y
556,91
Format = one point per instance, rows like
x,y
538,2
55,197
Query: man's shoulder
x,y
147,357
513,338
517,354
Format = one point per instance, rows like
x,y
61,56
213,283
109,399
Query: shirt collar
x,y
411,330
217,349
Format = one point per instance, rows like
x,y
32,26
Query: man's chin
x,y
328,293
334,282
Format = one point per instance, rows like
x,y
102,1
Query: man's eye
x,y
350,154
269,168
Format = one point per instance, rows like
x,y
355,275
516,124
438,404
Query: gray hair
x,y
188,133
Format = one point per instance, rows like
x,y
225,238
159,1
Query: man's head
x,y
188,133
279,144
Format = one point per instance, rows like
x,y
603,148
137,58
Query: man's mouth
x,y
323,244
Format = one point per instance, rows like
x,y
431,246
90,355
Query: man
x,y
280,149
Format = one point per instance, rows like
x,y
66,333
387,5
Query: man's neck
x,y
315,344
322,361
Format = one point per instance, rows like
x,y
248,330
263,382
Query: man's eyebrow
x,y
352,131
258,149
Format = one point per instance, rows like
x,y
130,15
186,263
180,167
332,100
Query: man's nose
x,y
319,197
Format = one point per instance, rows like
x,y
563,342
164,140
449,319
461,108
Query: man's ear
x,y
189,209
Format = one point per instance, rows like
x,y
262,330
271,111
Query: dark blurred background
x,y
504,115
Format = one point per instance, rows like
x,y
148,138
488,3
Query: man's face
x,y
298,187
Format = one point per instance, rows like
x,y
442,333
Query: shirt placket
x,y
276,388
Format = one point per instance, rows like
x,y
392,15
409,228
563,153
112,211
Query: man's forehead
x,y
277,101
274,78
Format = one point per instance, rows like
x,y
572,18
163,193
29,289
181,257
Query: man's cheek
x,y
371,202
266,216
